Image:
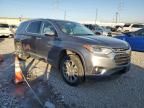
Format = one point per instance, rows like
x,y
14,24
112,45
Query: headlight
x,y
98,49
129,48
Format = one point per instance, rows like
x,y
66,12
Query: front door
x,y
44,43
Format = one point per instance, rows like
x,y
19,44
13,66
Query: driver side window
x,y
48,28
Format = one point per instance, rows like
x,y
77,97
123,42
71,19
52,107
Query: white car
x,y
5,30
136,27
106,31
132,27
13,28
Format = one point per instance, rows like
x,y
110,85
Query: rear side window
x,y
34,27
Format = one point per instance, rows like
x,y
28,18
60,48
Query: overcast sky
x,y
129,10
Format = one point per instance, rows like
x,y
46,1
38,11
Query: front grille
x,y
121,57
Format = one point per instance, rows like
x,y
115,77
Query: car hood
x,y
104,41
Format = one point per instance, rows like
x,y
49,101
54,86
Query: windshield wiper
x,y
82,34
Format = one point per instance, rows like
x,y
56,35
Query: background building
x,y
12,21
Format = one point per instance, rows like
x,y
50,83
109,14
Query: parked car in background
x,y
136,27
13,28
132,27
72,48
106,31
98,30
5,30
109,28
126,27
94,28
119,28
135,39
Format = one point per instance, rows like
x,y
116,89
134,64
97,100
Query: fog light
x,y
99,70
96,69
103,71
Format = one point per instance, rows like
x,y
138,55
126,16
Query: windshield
x,y
71,28
126,25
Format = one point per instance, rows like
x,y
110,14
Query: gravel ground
x,y
21,96
125,91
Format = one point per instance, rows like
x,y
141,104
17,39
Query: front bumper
x,y
100,65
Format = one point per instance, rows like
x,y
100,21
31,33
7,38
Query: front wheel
x,y
72,69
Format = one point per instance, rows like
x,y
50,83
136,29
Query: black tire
x,y
72,70
19,52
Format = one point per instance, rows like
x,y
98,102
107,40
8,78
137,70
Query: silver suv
x,y
75,50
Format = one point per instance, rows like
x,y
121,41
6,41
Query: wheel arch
x,y
70,52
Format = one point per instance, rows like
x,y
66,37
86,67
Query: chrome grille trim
x,y
121,57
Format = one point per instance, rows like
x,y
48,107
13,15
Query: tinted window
x,y
138,26
34,27
91,27
126,25
47,28
4,26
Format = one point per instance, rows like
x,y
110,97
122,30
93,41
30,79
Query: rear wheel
x,y
19,52
72,69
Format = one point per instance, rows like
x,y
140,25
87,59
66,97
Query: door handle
x,y
38,38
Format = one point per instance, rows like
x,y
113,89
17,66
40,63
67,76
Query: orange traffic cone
x,y
18,72
1,58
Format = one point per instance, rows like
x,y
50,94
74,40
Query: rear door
x,y
32,32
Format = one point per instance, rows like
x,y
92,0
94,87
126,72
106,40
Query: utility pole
x,y
20,18
65,15
55,8
117,17
96,15
120,8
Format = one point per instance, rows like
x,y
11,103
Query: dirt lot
x,y
125,91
